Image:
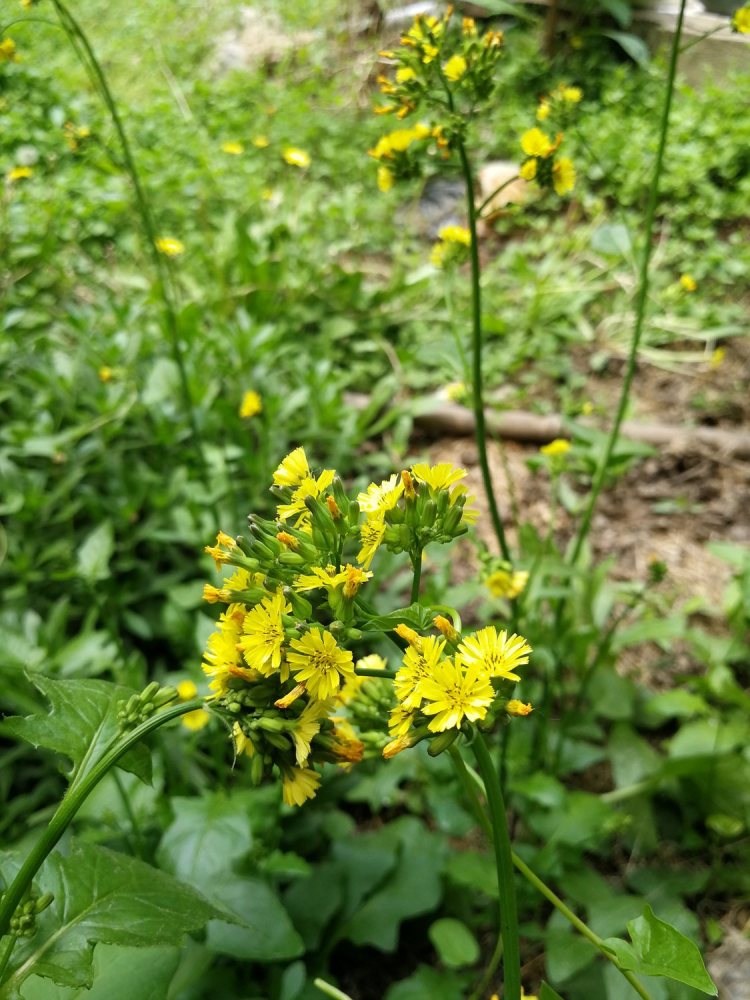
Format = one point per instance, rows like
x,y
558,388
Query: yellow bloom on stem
x,y
503,583
293,469
455,68
222,658
309,487
221,552
263,634
496,653
400,720
261,141
409,635
717,357
572,95
299,784
446,627
194,721
396,746
518,708
242,742
307,726
19,174
354,577
371,533
378,499
170,246
404,74
453,694
741,20
251,404
296,157
534,142
542,112
455,234
386,179
418,664
233,148
106,374
688,283
438,477
8,51
563,175
527,170
556,448
320,663
468,27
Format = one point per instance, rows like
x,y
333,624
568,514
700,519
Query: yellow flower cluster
x,y
451,246
741,20
8,51
541,164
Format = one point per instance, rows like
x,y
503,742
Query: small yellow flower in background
x,y
106,374
542,112
527,170
296,157
455,234
456,391
587,408
452,694
519,708
196,720
563,175
404,74
688,283
233,148
19,174
385,179
572,95
268,194
8,50
535,143
717,356
251,404
455,68
468,27
170,246
299,784
560,446
741,20
503,583
261,141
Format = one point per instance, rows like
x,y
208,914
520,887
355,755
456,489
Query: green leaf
x,y
95,553
619,9
263,931
427,984
415,616
312,902
658,949
119,974
81,723
566,953
631,45
454,943
474,871
102,896
547,993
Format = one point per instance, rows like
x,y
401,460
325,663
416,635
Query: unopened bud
x,y
333,508
410,636
515,707
443,625
410,491
289,540
396,746
441,742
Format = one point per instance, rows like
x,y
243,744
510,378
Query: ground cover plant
x,y
168,319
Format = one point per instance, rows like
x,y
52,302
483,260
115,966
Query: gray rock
x,y
729,966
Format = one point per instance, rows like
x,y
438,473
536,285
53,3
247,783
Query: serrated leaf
x,y
658,949
82,721
95,553
415,616
103,896
454,943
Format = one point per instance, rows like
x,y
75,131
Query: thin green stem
x,y
496,192
78,37
72,802
10,944
702,38
505,876
130,813
641,300
486,980
416,565
476,355
330,991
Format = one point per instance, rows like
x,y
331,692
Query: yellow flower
x,y
296,157
263,636
572,95
196,720
309,487
222,658
455,68
233,148
438,254
455,391
396,746
409,635
587,408
378,499
170,246
371,533
542,112
556,448
187,690
261,141
741,20
354,578
419,663
688,283
453,693
717,356
8,51
496,653
293,469
400,721
299,784
503,583
307,726
468,27
106,374
518,708
398,141
536,143
242,742
320,663
563,175
527,170
19,174
221,553
386,179
455,234
251,404
446,627
404,74
438,477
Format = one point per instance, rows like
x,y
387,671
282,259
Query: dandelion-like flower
x,y
170,246
378,499
293,469
453,694
371,534
251,404
296,157
504,583
309,487
438,477
318,662
299,784
418,664
498,654
263,634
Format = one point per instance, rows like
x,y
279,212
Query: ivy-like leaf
x,y
103,896
81,722
659,949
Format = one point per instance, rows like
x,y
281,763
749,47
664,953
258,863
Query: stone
x,y
729,966
260,39
496,173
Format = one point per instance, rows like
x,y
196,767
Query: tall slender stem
x,y
7,951
416,564
642,297
72,802
505,876
476,355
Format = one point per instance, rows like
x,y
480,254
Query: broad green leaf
x,y
118,973
205,838
547,993
102,896
631,45
312,902
427,984
263,931
454,943
81,722
474,871
658,949
566,953
620,11
95,553
415,616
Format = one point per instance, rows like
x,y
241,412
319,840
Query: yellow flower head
x,y
299,784
386,179
195,721
106,374
19,174
741,20
468,27
455,234
438,477
222,658
455,68
222,552
396,746
688,283
446,627
354,578
518,708
400,720
8,51
563,175
233,148
404,74
378,499
419,663
572,95
496,653
170,246
263,634
527,170
453,694
261,141
371,534
503,583
717,357
319,663
307,726
214,595
536,143
296,157
251,404
542,112
309,487
409,635
293,469
556,448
